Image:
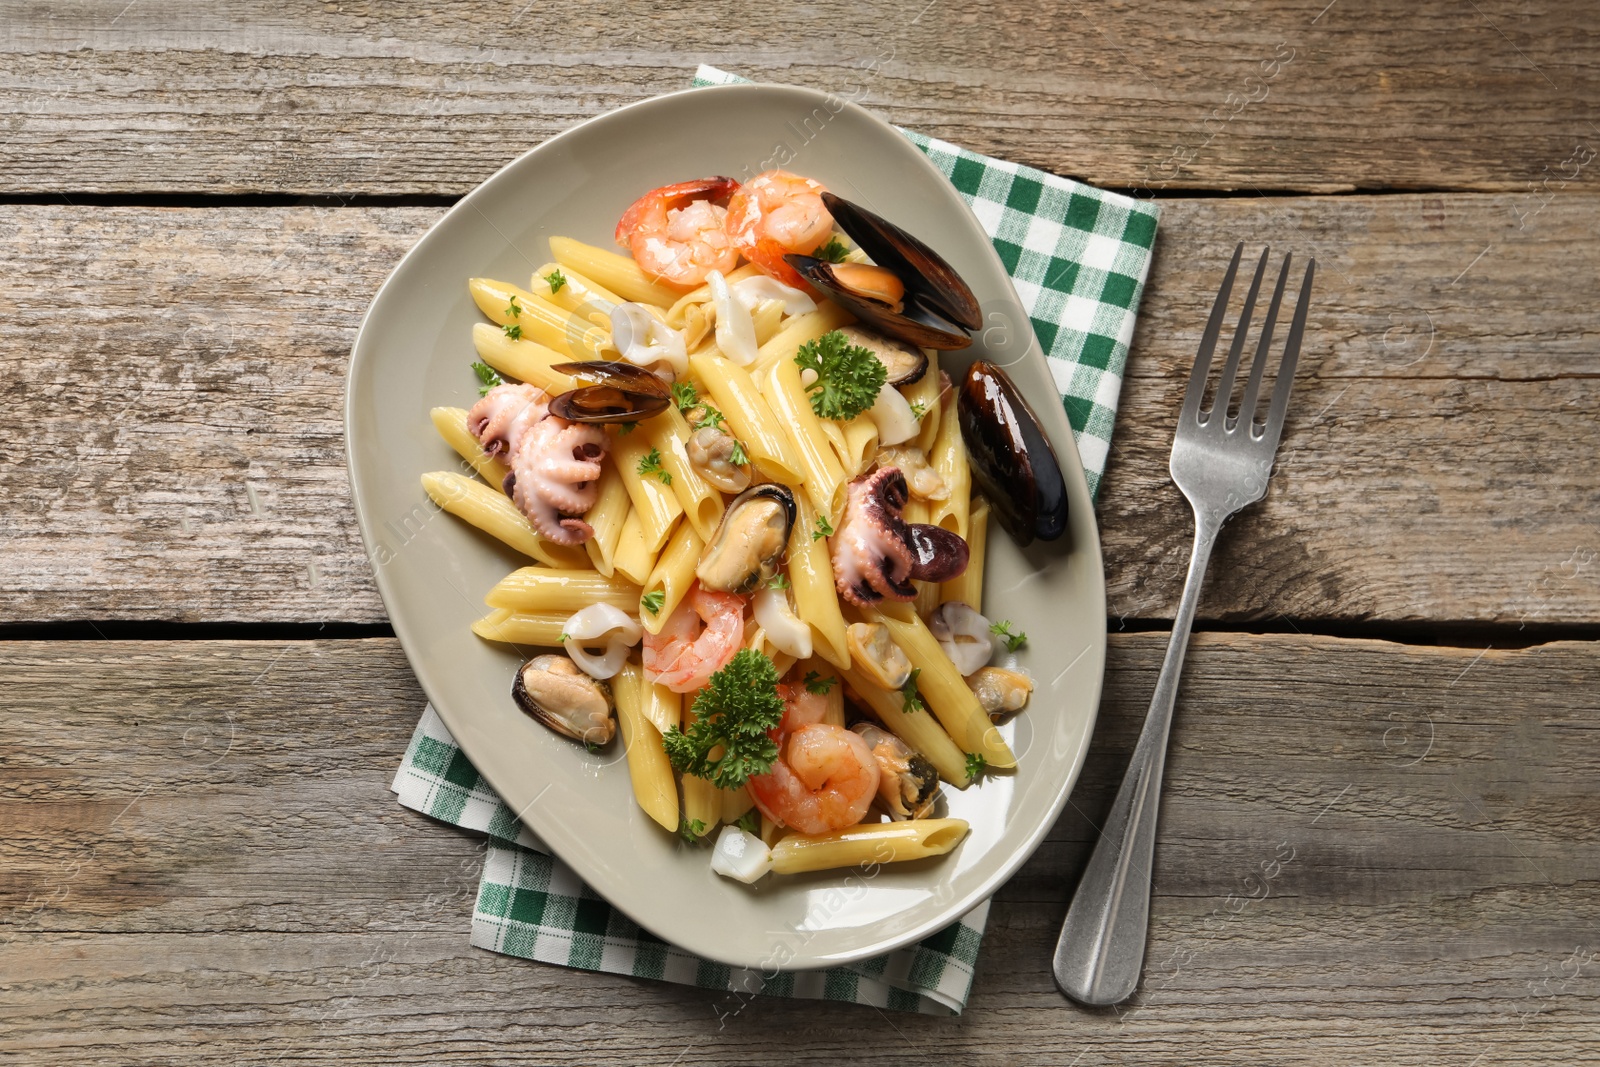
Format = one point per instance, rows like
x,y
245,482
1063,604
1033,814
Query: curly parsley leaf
x,y
685,395
486,375
625,428
691,830
513,331
976,765
654,601
735,710
1014,639
835,251
910,699
737,456
918,409
750,822
816,683
849,377
778,581
556,280
513,309
650,463
824,528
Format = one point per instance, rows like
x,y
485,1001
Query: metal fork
x,y
1221,463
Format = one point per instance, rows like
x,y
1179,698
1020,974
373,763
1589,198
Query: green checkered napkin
x,y
1078,258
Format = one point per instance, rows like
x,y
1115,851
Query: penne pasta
x,y
632,560
654,501
662,706
539,628
548,589
672,576
648,768
618,273
925,391
606,518
816,598
536,319
785,344
577,294
946,692
452,426
867,844
767,317
676,314
820,473
967,586
736,396
490,511
949,461
524,361
668,433
859,441
735,802
916,728
702,805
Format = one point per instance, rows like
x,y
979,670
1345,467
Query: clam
x,y
963,634
923,481
1011,459
907,782
908,291
1000,691
620,392
876,656
710,452
905,363
750,541
554,691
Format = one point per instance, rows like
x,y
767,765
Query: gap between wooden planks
x,y
177,380
202,854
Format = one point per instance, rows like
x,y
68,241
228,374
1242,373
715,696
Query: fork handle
x,y
1101,950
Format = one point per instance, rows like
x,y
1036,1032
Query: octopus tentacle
x,y
555,464
876,554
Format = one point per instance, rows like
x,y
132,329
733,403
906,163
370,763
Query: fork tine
x,y
1230,369
1291,356
1252,388
1208,343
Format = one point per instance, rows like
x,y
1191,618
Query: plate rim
x,y
997,876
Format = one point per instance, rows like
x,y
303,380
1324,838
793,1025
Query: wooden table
x,y
1390,707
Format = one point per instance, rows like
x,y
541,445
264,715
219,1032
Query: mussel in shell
x,y
618,392
908,292
1011,459
907,782
750,541
554,691
903,363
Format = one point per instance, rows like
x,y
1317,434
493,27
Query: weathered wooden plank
x,y
1429,811
412,98
178,376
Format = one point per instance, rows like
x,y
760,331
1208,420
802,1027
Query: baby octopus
x,y
555,463
877,554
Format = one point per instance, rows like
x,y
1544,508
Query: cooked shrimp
x,y
775,213
698,640
678,234
801,707
824,778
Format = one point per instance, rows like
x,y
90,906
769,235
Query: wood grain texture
x,y
405,98
181,372
202,855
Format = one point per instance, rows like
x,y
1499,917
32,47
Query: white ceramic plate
x,y
413,353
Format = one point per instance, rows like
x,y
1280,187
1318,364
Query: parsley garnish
x,y
625,428
564,638
691,830
834,251
685,395
778,581
750,822
816,683
910,699
556,280
737,456
487,375
824,528
1015,639
976,765
513,331
735,710
650,463
653,601
918,409
699,413
512,310
849,377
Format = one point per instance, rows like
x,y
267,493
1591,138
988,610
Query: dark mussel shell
x,y
938,309
1011,459
937,555
904,363
621,393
